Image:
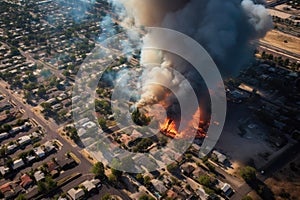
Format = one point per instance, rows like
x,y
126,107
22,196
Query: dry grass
x,y
254,195
88,156
283,41
286,180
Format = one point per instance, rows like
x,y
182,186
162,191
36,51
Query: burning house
x,y
233,27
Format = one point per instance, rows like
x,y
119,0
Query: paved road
x,y
271,48
49,127
273,4
53,69
240,187
51,133
279,162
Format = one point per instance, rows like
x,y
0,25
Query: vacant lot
x,y
283,41
280,14
242,149
285,183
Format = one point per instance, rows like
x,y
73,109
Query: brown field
x,y
286,180
283,41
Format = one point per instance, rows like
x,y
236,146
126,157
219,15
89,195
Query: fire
x,y
169,128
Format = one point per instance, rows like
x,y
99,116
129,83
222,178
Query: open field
x,y
242,150
286,181
278,13
283,41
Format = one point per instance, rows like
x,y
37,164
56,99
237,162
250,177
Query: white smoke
x,y
224,28
259,17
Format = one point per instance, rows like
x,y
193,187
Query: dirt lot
x,y
286,182
283,41
241,150
280,14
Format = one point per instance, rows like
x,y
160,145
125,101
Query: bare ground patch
x,y
286,182
283,41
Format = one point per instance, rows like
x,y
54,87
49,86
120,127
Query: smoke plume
x,y
224,28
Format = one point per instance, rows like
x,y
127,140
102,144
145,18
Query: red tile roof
x,y
25,180
5,187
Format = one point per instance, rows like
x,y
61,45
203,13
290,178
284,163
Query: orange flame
x,y
169,128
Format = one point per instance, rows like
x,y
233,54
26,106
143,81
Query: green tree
x,y
172,167
140,118
41,186
51,184
117,173
248,173
246,198
145,197
112,179
6,127
106,197
21,197
98,169
139,177
41,91
102,123
22,155
147,181
2,152
204,180
143,145
46,106
15,51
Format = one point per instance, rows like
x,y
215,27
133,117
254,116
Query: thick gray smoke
x,y
224,28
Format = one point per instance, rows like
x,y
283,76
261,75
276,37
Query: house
x,y
187,169
83,121
26,181
49,147
39,176
7,190
52,168
143,161
159,186
182,193
76,194
3,118
166,180
24,140
202,194
227,190
88,141
51,165
56,107
18,129
30,158
51,101
172,195
33,192
4,170
89,125
89,186
199,171
81,132
221,157
4,135
66,163
18,164
39,152
35,134
10,190
11,148
96,182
